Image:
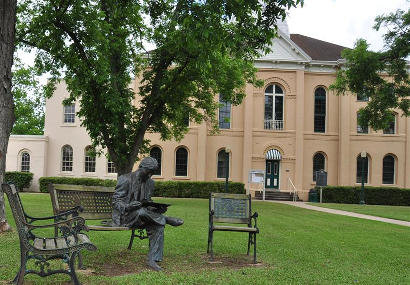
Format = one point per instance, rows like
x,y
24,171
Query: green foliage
x,y
29,101
373,195
20,179
381,76
179,189
202,48
44,181
175,189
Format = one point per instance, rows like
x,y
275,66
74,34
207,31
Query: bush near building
x,y
176,189
373,195
20,179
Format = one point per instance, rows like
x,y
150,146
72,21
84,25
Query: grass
x,y
295,246
392,212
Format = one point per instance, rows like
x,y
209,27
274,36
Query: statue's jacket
x,y
130,187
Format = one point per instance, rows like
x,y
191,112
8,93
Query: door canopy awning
x,y
273,154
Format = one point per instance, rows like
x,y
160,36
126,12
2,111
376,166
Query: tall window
x,y
362,165
67,158
318,163
361,129
223,164
25,162
274,107
224,113
89,160
69,113
320,110
391,129
181,162
111,167
156,153
388,169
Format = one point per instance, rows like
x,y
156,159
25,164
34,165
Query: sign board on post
x,y
321,178
256,181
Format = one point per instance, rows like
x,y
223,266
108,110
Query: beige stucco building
x,y
289,128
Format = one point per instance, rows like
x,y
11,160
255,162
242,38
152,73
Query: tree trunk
x,y
7,38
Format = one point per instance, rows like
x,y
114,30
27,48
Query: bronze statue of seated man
x,y
133,207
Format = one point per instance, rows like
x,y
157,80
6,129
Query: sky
x,y
342,22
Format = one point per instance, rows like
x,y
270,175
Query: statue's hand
x,y
134,205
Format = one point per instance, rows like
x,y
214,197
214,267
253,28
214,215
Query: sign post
x,y
257,177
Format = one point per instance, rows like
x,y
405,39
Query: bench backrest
x,y
95,200
230,208
17,210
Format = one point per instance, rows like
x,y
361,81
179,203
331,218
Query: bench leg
x,y
210,244
19,279
80,261
131,239
73,275
254,248
249,242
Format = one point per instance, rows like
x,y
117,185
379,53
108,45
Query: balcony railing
x,y
273,125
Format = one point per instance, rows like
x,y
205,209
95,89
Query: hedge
x,y
20,179
176,189
44,181
373,195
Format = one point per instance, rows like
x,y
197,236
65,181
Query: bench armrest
x,y
254,217
74,212
68,227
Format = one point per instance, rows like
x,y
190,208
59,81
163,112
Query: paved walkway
x,y
344,213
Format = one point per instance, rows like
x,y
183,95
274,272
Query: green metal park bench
x,y
42,250
232,209
95,203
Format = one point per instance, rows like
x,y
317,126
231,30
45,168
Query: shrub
x,y
20,179
373,195
44,181
176,189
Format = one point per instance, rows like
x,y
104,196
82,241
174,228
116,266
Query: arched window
x,y
318,163
223,164
67,158
320,110
25,162
274,103
181,162
224,113
156,153
89,159
362,165
388,169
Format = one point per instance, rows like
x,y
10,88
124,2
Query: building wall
x,y
247,138
36,147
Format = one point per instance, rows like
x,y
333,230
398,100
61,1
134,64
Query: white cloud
x,y
342,21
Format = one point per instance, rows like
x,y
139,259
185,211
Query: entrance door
x,y
272,174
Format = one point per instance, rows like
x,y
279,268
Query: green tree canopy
x,y
28,100
380,76
202,48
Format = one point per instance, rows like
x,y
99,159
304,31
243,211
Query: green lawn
x,y
392,212
295,246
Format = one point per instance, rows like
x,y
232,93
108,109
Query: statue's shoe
x,y
174,221
154,265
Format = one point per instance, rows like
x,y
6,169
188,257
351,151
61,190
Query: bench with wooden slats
x,y
34,247
226,208
95,203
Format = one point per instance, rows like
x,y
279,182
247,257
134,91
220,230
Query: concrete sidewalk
x,y
344,213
